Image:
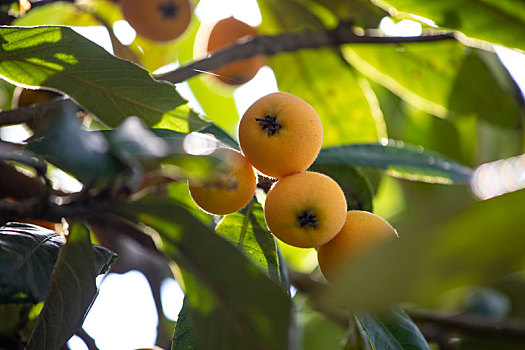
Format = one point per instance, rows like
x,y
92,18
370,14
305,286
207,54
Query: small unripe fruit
x,y
280,134
305,210
232,188
361,231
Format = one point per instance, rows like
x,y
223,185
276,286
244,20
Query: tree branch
x,y
288,42
470,323
29,114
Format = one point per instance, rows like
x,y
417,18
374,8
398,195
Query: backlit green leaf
x,y
497,21
110,88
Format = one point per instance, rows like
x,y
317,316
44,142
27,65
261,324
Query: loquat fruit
x,y
224,33
360,232
232,188
158,20
280,134
305,210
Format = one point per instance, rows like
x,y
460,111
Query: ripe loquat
x,y
305,210
360,232
232,187
280,134
158,20
227,32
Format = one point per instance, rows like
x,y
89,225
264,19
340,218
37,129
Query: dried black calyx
x,y
269,123
307,219
168,9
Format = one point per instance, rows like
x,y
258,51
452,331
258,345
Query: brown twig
x,y
470,323
475,325
288,42
29,114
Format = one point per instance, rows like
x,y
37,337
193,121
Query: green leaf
x,y
56,13
234,304
342,98
184,337
479,245
247,231
357,188
133,143
221,135
475,92
412,125
421,73
497,21
444,78
28,256
71,292
108,87
400,160
82,153
361,12
392,330
317,330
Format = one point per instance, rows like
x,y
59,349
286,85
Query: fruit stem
x,y
307,219
168,9
269,122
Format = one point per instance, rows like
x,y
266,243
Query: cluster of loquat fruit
x,y
281,135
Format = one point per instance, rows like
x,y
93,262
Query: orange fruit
x,y
158,20
227,32
305,210
280,134
361,231
230,188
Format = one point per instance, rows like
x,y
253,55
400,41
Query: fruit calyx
x,y
269,122
307,219
168,9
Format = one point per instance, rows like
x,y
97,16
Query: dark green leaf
x,y
184,336
221,135
110,88
247,231
477,246
65,144
234,304
28,256
392,330
404,161
71,292
501,21
357,188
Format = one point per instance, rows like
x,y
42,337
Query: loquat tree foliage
x,y
417,138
